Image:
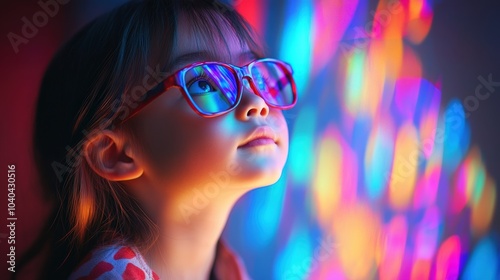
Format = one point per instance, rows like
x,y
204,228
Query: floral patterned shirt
x,y
127,263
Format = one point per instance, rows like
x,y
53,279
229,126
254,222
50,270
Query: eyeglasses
x,y
214,88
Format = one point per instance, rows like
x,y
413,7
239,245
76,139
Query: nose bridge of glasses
x,y
246,84
245,77
244,72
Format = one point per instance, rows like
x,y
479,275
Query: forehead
x,y
208,37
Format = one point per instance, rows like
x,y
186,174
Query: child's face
x,y
181,148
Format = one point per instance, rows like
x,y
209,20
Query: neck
x,y
190,228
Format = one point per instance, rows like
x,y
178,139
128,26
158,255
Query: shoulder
x,y
113,262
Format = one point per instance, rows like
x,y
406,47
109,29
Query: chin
x,y
261,169
261,178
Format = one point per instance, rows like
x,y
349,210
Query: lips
x,y
261,136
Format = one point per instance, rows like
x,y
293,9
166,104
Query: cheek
x,y
185,148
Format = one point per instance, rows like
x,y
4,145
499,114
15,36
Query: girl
x,y
151,123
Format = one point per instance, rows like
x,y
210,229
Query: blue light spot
x,y
300,156
456,135
484,261
295,260
296,42
377,167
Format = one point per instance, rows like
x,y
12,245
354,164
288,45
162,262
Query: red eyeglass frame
x,y
177,80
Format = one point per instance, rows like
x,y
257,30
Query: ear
x,y
111,156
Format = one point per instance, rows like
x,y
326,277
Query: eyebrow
x,y
189,57
192,57
248,55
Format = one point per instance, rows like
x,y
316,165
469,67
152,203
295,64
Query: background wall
x,y
393,166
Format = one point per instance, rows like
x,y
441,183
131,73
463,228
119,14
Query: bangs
x,y
215,28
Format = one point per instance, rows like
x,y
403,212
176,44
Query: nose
x,y
251,104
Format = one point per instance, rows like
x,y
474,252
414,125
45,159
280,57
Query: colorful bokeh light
x,y
379,169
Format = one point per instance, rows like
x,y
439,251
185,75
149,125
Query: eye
x,y
201,86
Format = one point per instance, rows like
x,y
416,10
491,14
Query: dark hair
x,y
92,80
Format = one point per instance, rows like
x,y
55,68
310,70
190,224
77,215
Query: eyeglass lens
x,y
213,87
